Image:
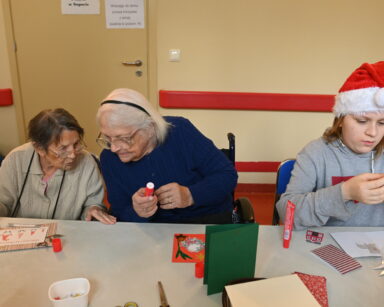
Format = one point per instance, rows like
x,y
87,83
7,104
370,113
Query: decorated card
x,y
188,247
24,237
230,254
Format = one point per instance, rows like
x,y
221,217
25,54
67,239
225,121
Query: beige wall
x,y
278,46
253,46
8,130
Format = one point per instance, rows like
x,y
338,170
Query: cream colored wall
x,y
8,129
278,46
252,46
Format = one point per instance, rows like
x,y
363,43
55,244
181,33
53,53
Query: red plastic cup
x,y
199,269
56,244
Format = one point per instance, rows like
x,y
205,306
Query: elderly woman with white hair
x,y
193,179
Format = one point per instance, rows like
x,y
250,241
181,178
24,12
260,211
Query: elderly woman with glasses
x,y
193,179
52,177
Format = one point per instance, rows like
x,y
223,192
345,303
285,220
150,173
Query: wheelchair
x,y
242,208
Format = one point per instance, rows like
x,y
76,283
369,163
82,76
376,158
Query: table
x,y
123,262
360,288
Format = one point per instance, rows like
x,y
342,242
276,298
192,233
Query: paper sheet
x,y
287,291
124,14
360,244
230,254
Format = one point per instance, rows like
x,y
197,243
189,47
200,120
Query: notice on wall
x,y
124,14
80,6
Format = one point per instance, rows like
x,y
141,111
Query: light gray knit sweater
x,y
313,190
82,187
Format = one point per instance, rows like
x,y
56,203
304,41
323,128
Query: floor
x,y
263,203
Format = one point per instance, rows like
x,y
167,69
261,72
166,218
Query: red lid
x,y
199,269
149,189
56,244
286,243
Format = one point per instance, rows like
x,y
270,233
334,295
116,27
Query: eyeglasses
x,y
63,153
120,141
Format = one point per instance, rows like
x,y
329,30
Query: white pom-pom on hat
x,y
379,98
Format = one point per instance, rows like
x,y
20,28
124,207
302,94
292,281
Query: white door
x,y
73,61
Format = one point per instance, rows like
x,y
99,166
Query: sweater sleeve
x,y
314,204
95,188
219,177
8,185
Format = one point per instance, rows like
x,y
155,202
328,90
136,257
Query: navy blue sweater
x,y
186,157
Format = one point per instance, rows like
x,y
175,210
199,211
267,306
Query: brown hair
x,y
46,127
333,133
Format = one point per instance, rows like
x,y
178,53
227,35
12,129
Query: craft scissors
x,y
163,298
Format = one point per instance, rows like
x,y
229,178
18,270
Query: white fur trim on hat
x,y
370,99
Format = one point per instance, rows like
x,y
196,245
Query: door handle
x,y
135,63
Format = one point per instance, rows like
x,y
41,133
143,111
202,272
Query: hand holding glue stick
x,y
288,223
144,201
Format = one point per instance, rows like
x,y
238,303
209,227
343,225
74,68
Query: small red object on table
x,y
199,269
56,244
314,236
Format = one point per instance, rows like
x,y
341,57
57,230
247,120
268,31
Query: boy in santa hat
x,y
338,179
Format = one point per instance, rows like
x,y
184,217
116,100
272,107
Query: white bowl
x,y
71,293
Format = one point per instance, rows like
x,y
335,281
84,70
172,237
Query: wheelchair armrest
x,y
245,210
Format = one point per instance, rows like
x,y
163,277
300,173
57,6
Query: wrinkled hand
x,y
144,206
366,188
173,195
100,215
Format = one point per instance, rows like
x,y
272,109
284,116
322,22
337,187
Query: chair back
x,y
282,178
242,208
230,151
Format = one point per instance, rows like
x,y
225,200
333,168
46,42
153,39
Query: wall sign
x,y
124,14
80,6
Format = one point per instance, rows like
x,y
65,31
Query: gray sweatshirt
x,y
315,187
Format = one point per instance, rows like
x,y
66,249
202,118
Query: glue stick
x,y
288,223
149,189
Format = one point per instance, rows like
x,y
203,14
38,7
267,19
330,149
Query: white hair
x,y
127,115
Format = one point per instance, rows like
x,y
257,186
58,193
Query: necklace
x,y
18,204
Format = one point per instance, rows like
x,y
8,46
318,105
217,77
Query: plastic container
x,y
69,293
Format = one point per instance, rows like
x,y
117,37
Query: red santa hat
x,y
363,91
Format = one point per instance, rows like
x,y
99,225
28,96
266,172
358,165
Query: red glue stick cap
x,y
56,244
149,189
199,269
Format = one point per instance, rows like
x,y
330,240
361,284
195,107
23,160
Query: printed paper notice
x,y
80,6
124,14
